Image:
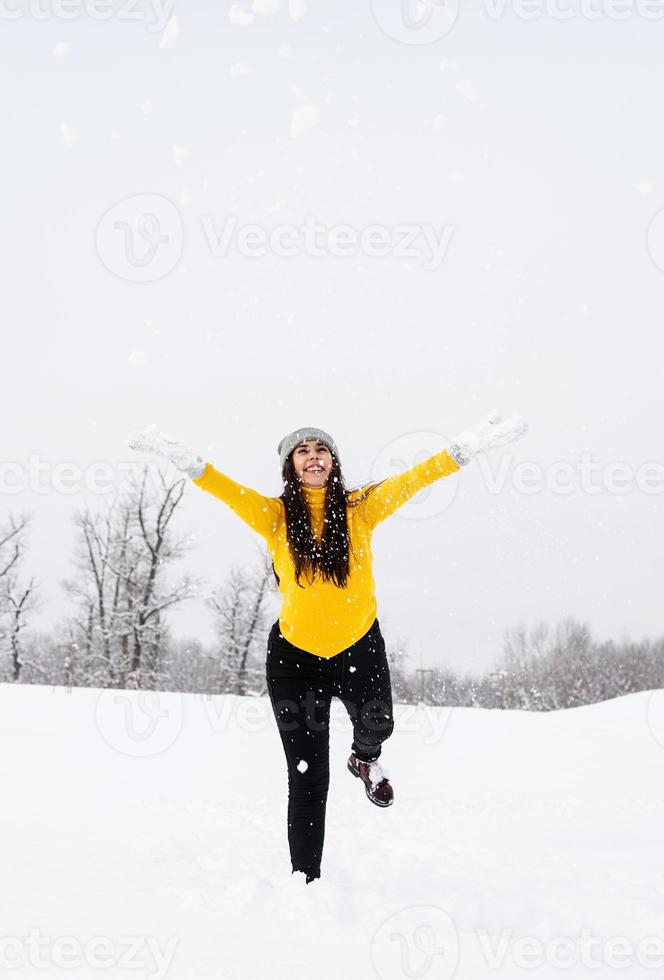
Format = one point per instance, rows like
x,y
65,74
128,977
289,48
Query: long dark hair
x,y
331,558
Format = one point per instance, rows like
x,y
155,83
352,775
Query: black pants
x,y
301,686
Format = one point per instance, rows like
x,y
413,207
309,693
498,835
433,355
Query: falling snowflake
x,y
171,33
239,68
179,155
266,7
304,118
467,90
297,9
68,134
239,17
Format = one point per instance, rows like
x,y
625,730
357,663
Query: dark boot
x,y
375,779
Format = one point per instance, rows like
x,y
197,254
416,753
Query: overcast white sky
x,y
532,149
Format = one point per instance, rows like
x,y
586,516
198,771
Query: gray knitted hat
x,y
293,439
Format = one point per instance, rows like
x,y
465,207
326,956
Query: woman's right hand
x,y
493,431
151,440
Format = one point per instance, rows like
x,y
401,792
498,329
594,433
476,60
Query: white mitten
x,y
491,432
150,440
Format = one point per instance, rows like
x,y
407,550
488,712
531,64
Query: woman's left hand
x,y
151,440
491,432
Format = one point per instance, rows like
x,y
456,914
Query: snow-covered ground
x,y
145,836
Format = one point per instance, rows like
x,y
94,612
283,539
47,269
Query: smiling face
x,y
312,461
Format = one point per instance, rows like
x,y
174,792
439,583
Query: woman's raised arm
x,y
390,494
261,513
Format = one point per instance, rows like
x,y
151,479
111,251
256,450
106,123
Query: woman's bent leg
x,y
366,691
300,697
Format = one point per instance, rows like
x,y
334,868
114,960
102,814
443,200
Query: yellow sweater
x,y
322,618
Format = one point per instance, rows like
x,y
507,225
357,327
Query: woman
x,y
327,640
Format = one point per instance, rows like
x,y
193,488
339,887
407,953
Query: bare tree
x,y
17,598
118,634
240,606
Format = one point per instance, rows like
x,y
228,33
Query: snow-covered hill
x,y
145,836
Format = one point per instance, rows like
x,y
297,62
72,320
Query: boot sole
x,y
366,788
